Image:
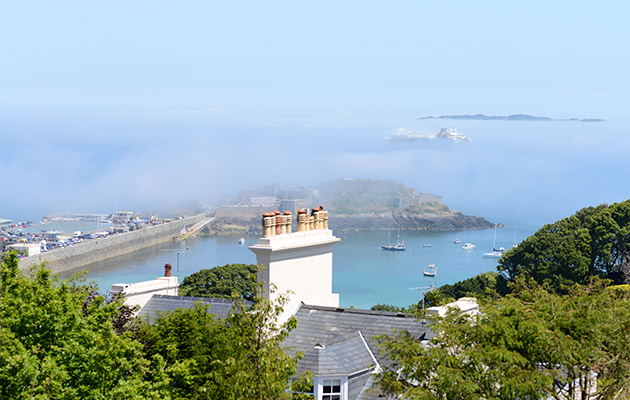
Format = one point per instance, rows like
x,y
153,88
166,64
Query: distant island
x,y
515,117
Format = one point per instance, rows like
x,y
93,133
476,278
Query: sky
x,y
150,105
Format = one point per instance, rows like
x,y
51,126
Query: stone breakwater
x,y
441,221
95,250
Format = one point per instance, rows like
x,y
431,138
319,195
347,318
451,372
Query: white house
x,y
338,343
139,293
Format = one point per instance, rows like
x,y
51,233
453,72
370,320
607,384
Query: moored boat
x,y
430,271
400,246
495,253
469,246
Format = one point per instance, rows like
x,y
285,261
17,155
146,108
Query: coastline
x,y
97,250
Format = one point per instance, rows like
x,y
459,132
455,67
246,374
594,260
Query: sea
x,y
521,174
363,275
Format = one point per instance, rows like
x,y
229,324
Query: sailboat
x,y
495,253
400,246
514,245
431,271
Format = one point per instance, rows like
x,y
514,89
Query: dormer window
x,y
331,389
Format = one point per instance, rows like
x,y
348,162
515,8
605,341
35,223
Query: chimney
x,y
167,270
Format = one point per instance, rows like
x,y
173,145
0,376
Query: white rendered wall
x,y
301,263
140,293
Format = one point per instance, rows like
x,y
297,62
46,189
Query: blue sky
x,y
114,104
561,58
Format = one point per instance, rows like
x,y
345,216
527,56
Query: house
x,y
341,350
139,293
339,344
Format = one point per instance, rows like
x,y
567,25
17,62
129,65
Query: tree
x,y
58,341
221,282
593,241
477,286
239,357
531,344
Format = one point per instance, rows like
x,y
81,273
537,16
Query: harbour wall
x,y
95,250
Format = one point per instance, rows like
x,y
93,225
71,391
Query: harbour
x,y
363,275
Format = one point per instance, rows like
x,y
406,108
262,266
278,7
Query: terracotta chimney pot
x,y
167,270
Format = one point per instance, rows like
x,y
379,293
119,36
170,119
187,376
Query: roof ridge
x,y
356,311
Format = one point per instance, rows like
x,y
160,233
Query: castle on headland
x,y
341,196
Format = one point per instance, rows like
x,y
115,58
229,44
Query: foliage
x,y
397,309
477,286
239,357
425,208
531,344
61,341
222,282
593,241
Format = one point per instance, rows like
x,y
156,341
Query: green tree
x,y
393,308
532,344
221,282
593,241
477,286
240,357
58,340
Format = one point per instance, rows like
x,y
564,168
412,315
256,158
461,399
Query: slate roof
x,y
162,302
345,357
329,325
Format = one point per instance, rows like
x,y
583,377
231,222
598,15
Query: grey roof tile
x,y
345,357
164,303
329,325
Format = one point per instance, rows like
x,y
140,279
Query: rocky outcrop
x,y
441,221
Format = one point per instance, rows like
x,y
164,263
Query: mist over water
x,y
99,161
520,174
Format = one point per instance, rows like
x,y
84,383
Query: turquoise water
x,y
67,227
363,275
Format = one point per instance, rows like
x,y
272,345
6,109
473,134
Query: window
x,y
331,389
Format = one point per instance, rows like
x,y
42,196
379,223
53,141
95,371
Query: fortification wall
x,y
95,250
241,213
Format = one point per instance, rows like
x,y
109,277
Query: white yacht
x,y
495,253
469,246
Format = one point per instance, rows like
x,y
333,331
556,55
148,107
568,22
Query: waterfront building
x,y
28,249
5,224
122,215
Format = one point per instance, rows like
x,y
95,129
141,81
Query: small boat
x,y
51,231
427,245
457,241
514,245
400,246
431,271
395,247
241,240
495,253
469,246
